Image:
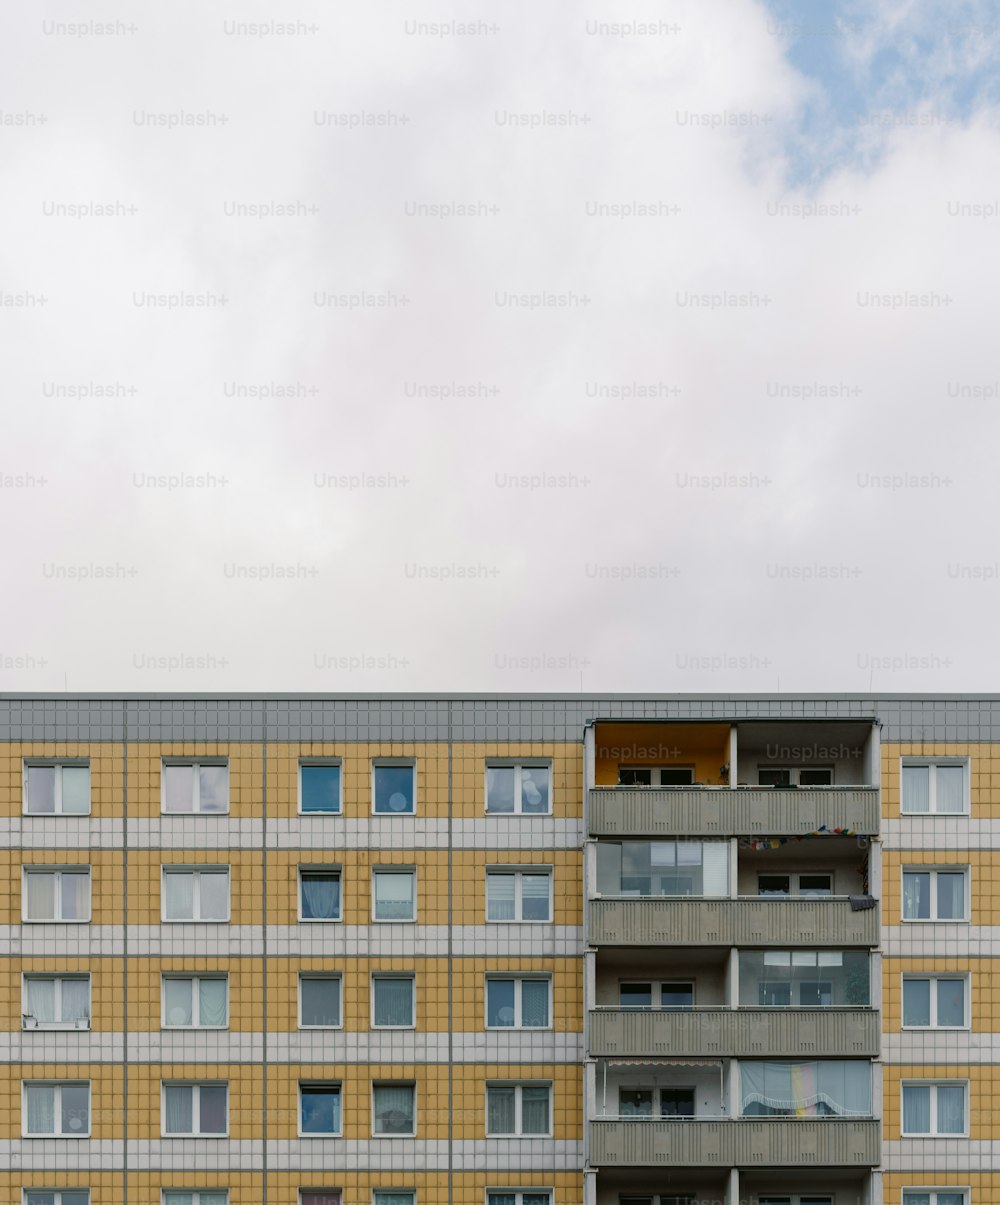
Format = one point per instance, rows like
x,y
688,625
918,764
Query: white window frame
x,y
56,1193
326,1192
193,977
794,878
328,1084
332,977
390,1083
655,778
396,870
194,1193
933,1084
518,1086
48,1026
196,763
964,763
522,764
195,1107
376,1192
962,1190
397,763
518,1194
518,873
933,977
656,987
57,871
934,871
58,1085
795,777
376,975
59,763
309,869
518,980
327,763
197,871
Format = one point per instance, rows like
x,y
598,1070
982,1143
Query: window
x,y
656,995
393,1198
319,1110
56,1002
394,895
57,895
935,788
394,1110
64,1196
195,1002
656,1102
804,978
212,1197
518,788
392,1002
195,1109
665,1199
319,1001
803,776
59,1110
828,1088
937,1002
196,895
195,787
57,789
809,886
510,1197
319,895
517,1003
394,788
655,776
518,895
934,895
934,1109
928,1196
795,1200
656,868
319,787
518,1109
319,1196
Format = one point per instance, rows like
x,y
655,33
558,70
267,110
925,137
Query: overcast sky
x,y
404,346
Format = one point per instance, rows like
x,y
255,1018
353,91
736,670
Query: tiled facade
x,y
647,1104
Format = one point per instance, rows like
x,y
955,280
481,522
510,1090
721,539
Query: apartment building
x,y
540,950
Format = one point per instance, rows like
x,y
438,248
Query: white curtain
x,y
500,1110
818,1089
40,1104
951,1109
75,999
333,1198
179,789
75,895
535,1110
393,1001
41,889
393,1109
916,788
500,890
177,1001
534,1002
41,789
179,887
75,792
178,1102
950,896
42,1000
715,868
916,1109
320,897
393,895
917,895
950,791
178,1198
535,893
214,888
212,1001
213,787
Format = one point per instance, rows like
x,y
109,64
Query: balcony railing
x,y
735,1033
735,1142
749,921
721,812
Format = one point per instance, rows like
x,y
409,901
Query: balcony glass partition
x,y
663,868
831,1088
804,979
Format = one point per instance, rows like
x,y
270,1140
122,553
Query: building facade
x,y
399,950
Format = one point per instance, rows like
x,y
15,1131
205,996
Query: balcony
x,y
747,921
729,1033
720,812
735,1142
